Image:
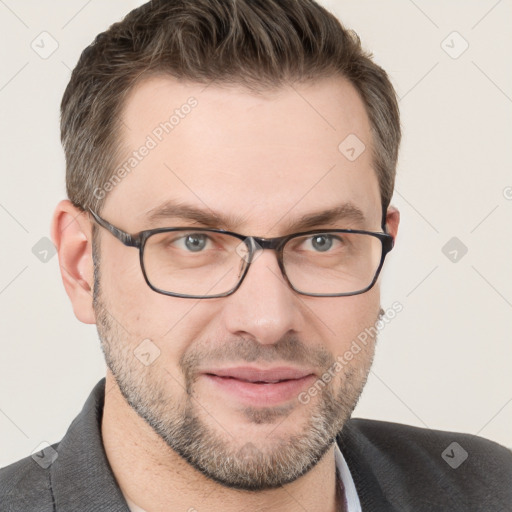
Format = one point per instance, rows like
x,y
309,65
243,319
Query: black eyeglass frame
x,y
277,244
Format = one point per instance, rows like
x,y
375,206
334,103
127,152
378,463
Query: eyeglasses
x,y
201,263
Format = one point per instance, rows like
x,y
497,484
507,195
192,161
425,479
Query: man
x,y
230,167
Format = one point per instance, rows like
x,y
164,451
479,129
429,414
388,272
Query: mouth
x,y
260,387
251,381
261,375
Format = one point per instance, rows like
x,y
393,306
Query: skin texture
x,y
171,437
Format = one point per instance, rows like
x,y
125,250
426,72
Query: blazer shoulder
x,y
427,469
387,433
479,457
26,486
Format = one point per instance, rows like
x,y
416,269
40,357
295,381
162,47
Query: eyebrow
x,y
206,217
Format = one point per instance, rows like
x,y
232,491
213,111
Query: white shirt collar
x,y
351,497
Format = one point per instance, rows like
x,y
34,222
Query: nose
x,y
264,307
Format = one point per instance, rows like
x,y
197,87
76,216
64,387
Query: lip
x,y
257,386
252,374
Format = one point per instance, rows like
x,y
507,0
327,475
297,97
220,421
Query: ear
x,y
72,235
392,221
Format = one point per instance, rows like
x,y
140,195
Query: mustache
x,y
290,348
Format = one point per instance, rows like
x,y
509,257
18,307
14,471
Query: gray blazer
x,y
395,468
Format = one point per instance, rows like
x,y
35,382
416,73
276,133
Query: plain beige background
x,y
444,362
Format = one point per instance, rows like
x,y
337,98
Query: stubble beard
x,y
209,448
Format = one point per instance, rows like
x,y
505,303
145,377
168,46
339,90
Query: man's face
x,y
264,162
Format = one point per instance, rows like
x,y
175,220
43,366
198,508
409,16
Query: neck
x,y
157,479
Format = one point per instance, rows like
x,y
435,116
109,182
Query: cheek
x,y
343,319
351,341
140,312
354,344
121,274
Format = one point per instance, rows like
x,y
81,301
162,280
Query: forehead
x,y
263,158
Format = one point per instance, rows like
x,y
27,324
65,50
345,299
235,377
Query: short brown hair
x,y
259,44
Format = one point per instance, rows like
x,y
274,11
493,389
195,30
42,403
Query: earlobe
x,y
71,234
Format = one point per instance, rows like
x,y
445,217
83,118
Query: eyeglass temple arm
x,y
122,236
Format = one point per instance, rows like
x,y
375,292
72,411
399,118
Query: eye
x,y
322,243
194,242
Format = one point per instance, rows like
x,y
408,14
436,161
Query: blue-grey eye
x,y
321,243
196,242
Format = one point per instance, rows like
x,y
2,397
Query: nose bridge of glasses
x,y
253,247
256,244
265,243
